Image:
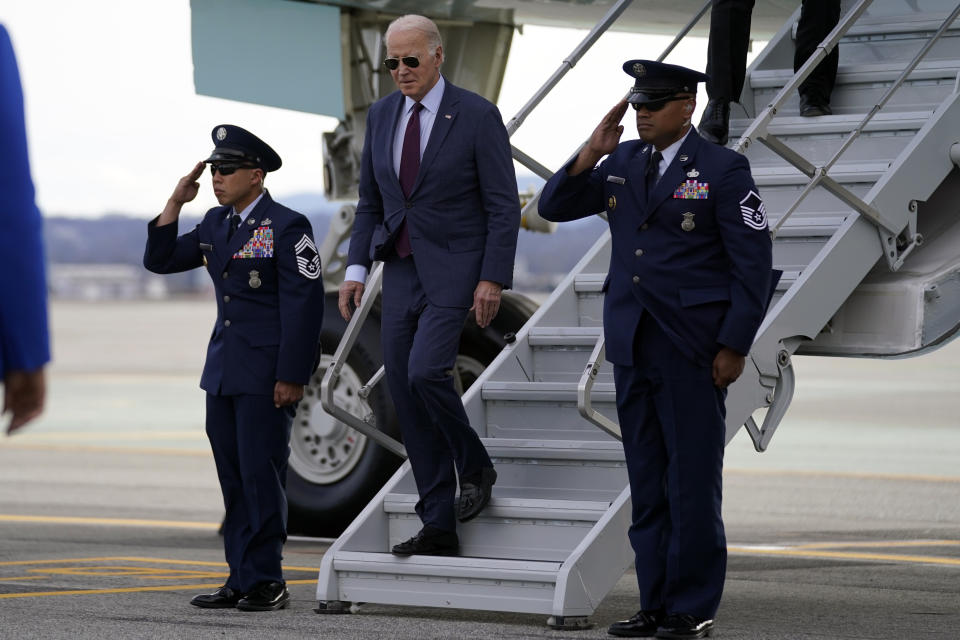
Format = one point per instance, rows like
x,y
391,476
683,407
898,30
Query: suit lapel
x,y
637,171
385,143
442,123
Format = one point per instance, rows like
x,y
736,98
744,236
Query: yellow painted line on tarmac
x,y
199,563
855,475
878,544
117,522
843,555
83,592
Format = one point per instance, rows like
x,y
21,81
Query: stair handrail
x,y
585,387
819,175
366,425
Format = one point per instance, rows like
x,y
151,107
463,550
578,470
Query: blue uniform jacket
x,y
695,254
269,309
463,214
24,341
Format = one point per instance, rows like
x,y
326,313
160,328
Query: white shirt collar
x,y
249,207
431,101
670,152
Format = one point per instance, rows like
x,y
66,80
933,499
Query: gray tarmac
x,y
849,527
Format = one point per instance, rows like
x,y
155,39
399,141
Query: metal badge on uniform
x,y
308,260
204,260
693,173
639,70
255,281
266,222
616,179
692,190
683,158
612,202
221,133
251,221
753,211
688,223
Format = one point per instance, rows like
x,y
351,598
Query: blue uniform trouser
x,y
250,440
672,420
420,345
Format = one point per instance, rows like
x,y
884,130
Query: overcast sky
x,y
113,120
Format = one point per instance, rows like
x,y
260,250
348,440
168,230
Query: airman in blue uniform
x,y
266,274
688,285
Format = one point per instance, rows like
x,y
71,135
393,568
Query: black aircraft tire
x,y
320,502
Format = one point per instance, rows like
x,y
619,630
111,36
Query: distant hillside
x,y
119,239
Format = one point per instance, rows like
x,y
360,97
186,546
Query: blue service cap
x,y
236,144
658,80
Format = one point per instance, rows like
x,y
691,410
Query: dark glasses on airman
x,y
393,63
226,169
656,105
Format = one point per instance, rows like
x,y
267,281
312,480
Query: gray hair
x,y
414,22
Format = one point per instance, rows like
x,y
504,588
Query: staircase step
x,y
877,73
509,528
542,449
842,172
560,354
455,582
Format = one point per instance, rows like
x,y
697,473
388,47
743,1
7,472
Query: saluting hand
x,y
185,191
188,187
350,291
486,302
603,140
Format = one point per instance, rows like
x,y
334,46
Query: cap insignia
x,y
639,70
221,133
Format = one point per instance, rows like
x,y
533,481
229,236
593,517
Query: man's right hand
x,y
188,187
350,291
185,191
603,140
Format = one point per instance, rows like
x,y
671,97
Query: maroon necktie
x,y
409,167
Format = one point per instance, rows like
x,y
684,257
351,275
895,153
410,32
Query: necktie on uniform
x,y
409,168
653,171
234,224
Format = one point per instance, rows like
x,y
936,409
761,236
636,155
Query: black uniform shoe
x,y
430,541
681,625
222,598
811,106
266,596
642,625
715,121
475,494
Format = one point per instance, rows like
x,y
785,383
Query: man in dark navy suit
x,y
266,274
439,205
687,288
24,341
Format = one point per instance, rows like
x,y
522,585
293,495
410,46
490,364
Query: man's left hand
x,y
486,302
285,393
727,367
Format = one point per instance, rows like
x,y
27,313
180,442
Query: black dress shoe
x,y
475,494
715,121
266,596
642,625
429,541
811,106
681,625
222,598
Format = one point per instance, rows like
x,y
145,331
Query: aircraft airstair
x,y
865,211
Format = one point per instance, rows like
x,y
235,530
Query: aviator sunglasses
x,y
411,61
228,168
656,105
